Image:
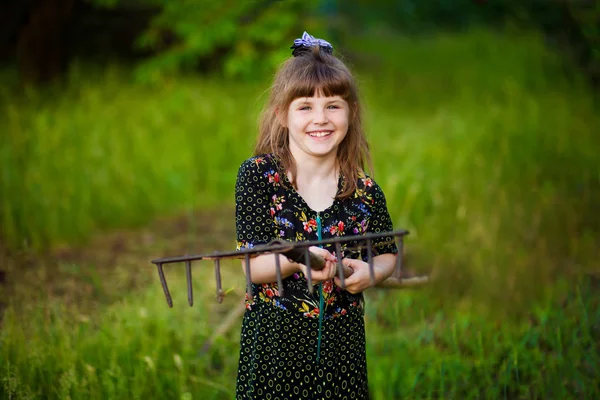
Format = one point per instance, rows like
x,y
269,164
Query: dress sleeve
x,y
380,221
253,221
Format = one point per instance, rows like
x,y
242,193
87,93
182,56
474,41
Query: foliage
x,y
243,39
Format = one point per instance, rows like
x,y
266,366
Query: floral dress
x,y
302,345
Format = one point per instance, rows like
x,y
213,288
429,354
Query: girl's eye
x,y
334,106
304,108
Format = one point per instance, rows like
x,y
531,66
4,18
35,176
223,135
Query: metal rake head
x,y
298,252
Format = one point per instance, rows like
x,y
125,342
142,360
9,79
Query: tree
x,y
40,47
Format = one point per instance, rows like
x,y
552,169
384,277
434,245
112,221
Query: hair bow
x,y
307,41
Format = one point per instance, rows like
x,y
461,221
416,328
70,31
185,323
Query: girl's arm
x,y
262,268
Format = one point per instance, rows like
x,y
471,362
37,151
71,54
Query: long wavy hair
x,y
314,72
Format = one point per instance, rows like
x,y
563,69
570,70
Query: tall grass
x,y
484,148
107,154
136,348
463,356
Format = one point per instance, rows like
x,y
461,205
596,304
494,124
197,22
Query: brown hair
x,y
307,74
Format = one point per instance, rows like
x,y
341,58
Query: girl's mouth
x,y
320,134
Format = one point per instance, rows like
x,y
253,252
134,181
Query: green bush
x,y
243,39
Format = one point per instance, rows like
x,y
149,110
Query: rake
x,y
298,252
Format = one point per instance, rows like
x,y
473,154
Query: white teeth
x,y
319,134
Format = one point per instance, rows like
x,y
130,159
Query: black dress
x,y
289,351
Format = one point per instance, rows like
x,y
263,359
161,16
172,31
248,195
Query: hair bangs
x,y
321,79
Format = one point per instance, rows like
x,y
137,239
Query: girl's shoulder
x,y
262,161
259,165
367,190
366,183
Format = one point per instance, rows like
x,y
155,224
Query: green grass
x,y
487,155
138,348
107,154
421,352
484,147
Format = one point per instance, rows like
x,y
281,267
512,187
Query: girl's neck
x,y
315,168
316,180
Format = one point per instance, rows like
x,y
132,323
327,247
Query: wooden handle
x,y
403,283
316,261
297,255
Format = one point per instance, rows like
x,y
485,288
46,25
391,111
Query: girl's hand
x,y
361,277
326,273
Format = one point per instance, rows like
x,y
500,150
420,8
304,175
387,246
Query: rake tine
x,y
278,273
248,279
370,261
188,273
338,254
163,282
308,270
400,245
218,279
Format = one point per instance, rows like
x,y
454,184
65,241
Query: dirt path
x,y
110,264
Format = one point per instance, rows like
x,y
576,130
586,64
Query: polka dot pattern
x,y
279,333
278,357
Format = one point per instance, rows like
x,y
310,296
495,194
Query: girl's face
x,y
317,125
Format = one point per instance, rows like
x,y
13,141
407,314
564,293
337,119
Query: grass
x,y
135,348
138,348
107,154
462,355
487,162
485,150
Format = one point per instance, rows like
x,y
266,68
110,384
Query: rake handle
x,y
316,262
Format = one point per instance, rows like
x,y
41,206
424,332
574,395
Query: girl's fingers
x,y
323,253
328,269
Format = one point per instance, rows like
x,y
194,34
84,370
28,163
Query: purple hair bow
x,y
307,41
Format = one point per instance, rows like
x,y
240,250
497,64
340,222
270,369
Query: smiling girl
x,y
307,181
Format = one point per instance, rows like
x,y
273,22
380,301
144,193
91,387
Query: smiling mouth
x,y
320,134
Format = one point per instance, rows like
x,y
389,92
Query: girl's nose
x,y
320,117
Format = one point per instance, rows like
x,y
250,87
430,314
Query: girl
x,y
307,182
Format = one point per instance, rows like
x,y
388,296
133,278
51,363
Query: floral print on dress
x,y
268,208
277,204
310,225
336,229
273,177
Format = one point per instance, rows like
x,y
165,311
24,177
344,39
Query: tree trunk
x,y
41,54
